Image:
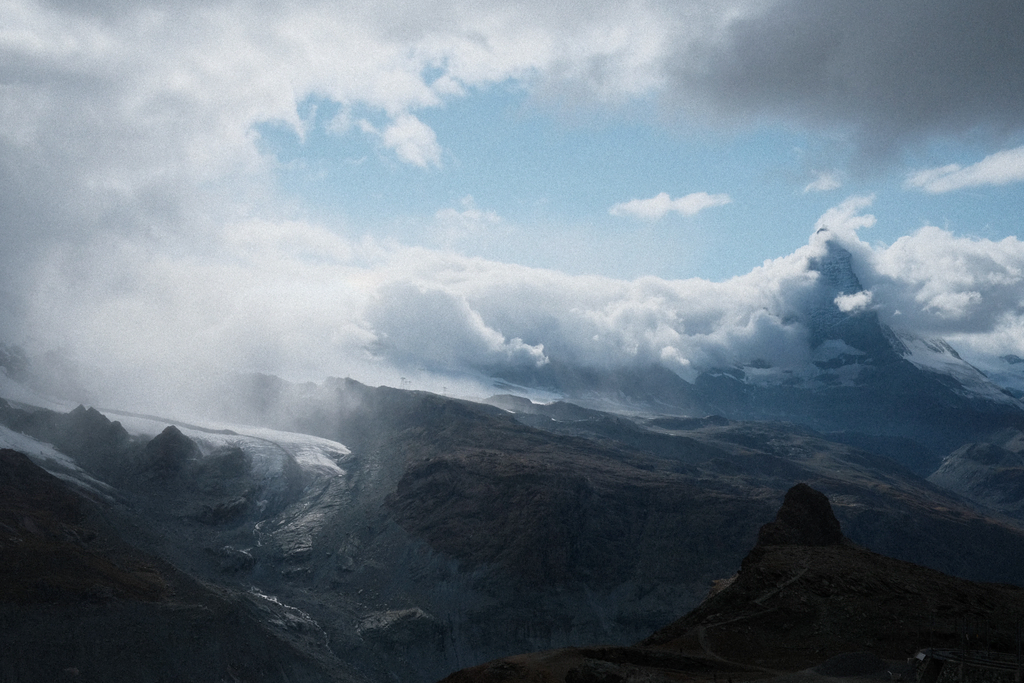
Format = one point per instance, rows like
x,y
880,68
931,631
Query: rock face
x,y
170,452
835,278
990,474
816,601
78,603
805,518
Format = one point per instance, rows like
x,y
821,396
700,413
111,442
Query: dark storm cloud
x,y
890,73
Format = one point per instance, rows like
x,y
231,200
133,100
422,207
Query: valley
x,y
386,533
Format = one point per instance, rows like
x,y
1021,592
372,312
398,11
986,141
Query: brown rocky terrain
x,y
806,604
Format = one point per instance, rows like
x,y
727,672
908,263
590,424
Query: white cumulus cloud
x,y
847,303
658,206
295,299
413,141
1001,168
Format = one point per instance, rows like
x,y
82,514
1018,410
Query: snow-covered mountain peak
x,y
835,267
837,283
937,356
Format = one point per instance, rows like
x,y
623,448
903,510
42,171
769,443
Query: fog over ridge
x,y
322,306
145,235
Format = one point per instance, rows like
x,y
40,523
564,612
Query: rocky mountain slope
x,y
990,473
78,603
805,599
417,534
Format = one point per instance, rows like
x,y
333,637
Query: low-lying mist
x,y
149,331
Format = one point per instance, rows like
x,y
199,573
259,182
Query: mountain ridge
x,y
861,377
422,533
800,599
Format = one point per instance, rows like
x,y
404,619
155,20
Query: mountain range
x,y
445,532
861,381
338,531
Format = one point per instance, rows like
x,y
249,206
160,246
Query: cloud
x,y
824,182
142,229
948,285
889,77
455,226
438,329
848,303
294,299
145,120
1001,168
846,219
413,141
656,207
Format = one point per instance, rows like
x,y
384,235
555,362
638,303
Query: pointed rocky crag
x,y
805,518
805,594
98,445
911,399
804,597
835,278
169,452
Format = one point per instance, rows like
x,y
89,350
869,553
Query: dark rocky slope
x,y
594,528
989,473
804,597
77,603
453,533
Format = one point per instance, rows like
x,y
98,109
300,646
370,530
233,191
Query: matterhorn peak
x,y
835,266
836,282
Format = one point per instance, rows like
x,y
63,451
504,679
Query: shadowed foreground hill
x,y
78,604
804,596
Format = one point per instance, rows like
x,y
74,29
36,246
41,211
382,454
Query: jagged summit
x,y
827,320
836,267
169,452
805,518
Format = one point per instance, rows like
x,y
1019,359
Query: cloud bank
x,y
299,301
891,76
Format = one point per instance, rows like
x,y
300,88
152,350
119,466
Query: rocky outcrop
x,y
793,605
78,603
812,601
805,518
168,453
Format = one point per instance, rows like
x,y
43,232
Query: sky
x,y
429,189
